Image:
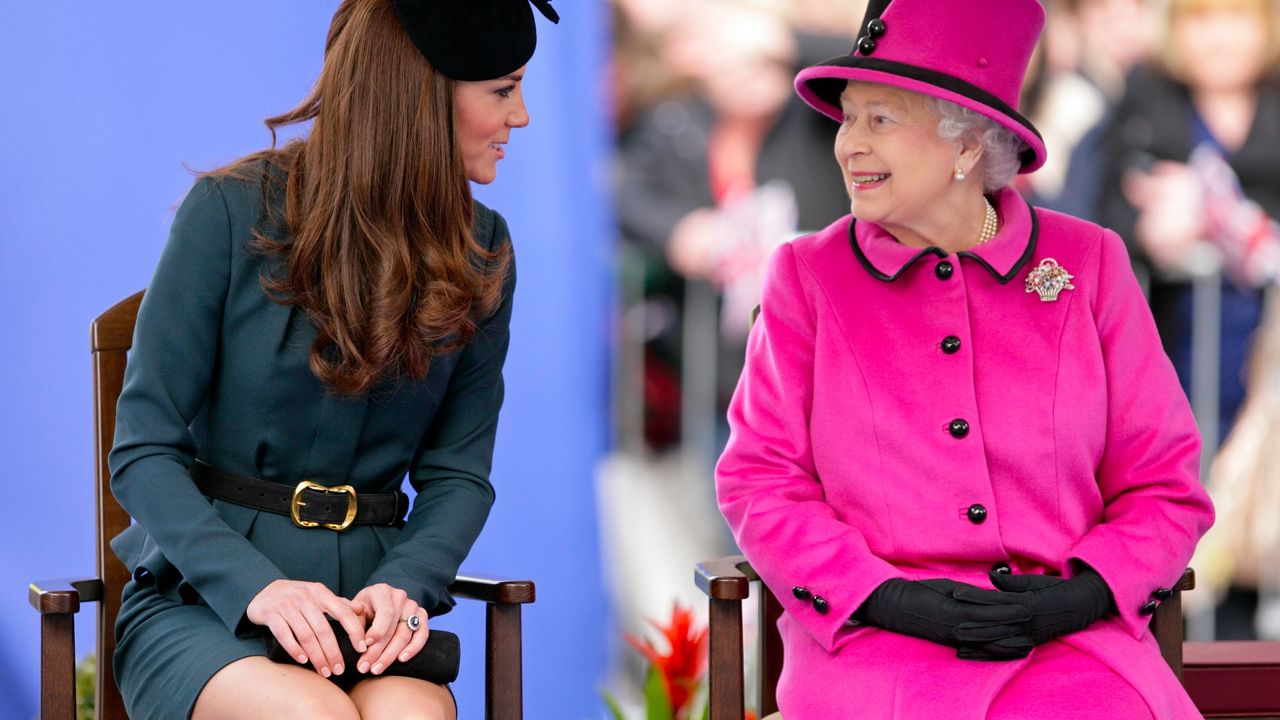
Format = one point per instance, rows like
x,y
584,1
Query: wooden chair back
x,y
111,336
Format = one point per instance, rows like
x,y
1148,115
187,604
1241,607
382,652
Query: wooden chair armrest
x,y
497,591
57,601
725,578
1186,582
62,596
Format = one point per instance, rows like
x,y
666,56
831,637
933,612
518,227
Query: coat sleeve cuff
x,y
1137,594
825,612
230,601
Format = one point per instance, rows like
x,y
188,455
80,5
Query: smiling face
x,y
484,113
899,173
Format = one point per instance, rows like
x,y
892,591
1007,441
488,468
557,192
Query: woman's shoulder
x,y
1059,234
488,227
802,264
245,194
834,237
1054,224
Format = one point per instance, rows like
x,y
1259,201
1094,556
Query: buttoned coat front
x,y
905,413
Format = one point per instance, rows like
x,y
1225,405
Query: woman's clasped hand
x,y
390,636
296,613
1002,624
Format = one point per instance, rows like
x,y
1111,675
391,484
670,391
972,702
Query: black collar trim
x,y
875,272
939,252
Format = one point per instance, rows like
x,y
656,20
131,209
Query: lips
x,y
868,179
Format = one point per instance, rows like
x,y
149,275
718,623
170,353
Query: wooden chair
x,y
1224,679
57,601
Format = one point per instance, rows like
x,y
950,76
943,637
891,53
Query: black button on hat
x,y
943,270
866,45
1149,608
1001,568
977,514
1162,594
820,604
876,27
800,593
951,345
958,428
476,39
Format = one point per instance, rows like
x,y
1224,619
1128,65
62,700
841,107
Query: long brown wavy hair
x,y
378,210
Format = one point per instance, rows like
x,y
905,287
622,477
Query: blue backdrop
x,y
101,104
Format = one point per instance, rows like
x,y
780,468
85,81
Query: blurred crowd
x,y
1162,121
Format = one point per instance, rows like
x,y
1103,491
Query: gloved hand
x,y
981,624
1058,607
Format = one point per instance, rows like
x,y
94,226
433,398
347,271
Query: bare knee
x,y
400,698
332,706
256,688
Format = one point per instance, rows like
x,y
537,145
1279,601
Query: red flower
x,y
682,666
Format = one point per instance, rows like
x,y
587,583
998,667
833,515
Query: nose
x,y
519,117
850,142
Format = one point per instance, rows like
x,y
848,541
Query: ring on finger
x,y
413,622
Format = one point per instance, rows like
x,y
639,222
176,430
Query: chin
x,y
865,213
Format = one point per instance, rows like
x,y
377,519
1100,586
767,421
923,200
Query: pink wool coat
x,y
908,413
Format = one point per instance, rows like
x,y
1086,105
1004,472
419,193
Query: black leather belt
x,y
308,504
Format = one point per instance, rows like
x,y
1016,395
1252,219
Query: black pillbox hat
x,y
473,39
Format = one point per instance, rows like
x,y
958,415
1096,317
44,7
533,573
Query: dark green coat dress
x,y
219,371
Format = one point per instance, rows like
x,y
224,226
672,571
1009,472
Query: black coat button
x,y
866,45
958,428
876,27
1001,567
142,575
1149,608
977,514
1162,594
820,604
800,593
943,270
951,345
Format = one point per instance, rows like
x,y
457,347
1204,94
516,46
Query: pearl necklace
x,y
990,224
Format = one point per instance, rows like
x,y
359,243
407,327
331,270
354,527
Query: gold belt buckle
x,y
297,502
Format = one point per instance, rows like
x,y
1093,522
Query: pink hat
x,y
973,53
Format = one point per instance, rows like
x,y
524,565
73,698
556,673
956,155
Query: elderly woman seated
x,y
959,455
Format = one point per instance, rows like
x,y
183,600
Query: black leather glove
x,y
1058,607
979,623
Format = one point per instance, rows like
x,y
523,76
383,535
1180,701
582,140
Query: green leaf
x,y
706,711
86,679
614,709
657,703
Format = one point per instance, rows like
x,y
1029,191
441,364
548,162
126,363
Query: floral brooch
x,y
1048,279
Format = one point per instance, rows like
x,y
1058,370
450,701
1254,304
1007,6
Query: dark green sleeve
x,y
451,468
175,348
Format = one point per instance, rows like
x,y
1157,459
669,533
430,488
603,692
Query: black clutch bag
x,y
436,662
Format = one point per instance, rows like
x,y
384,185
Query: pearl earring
x,y
960,176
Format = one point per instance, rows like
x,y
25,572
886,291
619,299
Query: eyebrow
x,y
513,77
877,104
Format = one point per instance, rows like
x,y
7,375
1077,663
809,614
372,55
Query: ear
x,y
970,151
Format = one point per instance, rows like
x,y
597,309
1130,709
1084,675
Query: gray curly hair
x,y
1000,147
